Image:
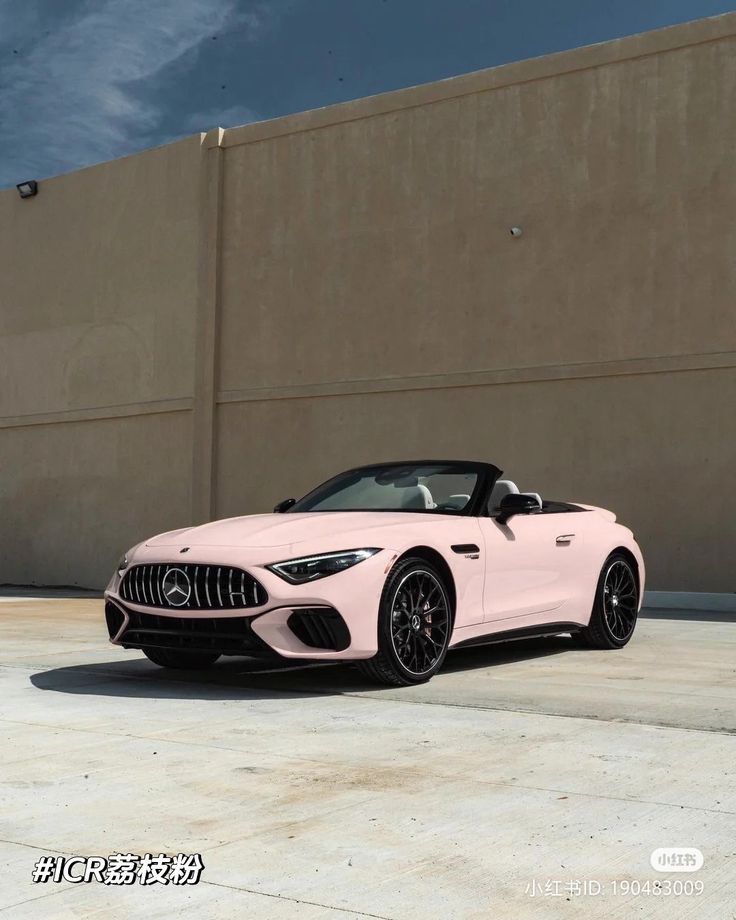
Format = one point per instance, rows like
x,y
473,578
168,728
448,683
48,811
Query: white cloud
x,y
71,97
261,17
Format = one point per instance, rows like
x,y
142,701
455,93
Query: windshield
x,y
442,488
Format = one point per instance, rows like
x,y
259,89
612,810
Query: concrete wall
x,y
341,286
98,293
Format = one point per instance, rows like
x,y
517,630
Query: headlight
x,y
123,564
310,568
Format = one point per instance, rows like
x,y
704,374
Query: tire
x,y
614,615
180,659
414,626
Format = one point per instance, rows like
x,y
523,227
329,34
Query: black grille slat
x,y
219,592
211,587
316,633
157,581
324,632
196,587
312,624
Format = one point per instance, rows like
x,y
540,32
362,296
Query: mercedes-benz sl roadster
x,y
388,566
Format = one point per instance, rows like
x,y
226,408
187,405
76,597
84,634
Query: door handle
x,y
565,539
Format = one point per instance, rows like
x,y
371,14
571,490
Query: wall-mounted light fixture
x,y
516,231
27,189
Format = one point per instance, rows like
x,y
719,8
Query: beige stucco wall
x,y
98,289
650,446
75,495
390,234
340,286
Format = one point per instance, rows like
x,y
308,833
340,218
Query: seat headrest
x,y
500,490
418,497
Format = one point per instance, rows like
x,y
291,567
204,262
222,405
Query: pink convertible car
x,y
389,566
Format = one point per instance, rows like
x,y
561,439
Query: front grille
x,y
320,627
226,635
189,586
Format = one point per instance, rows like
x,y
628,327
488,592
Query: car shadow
x,y
254,679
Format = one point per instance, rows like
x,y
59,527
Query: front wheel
x,y
414,626
616,605
180,659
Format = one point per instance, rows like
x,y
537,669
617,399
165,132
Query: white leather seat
x,y
500,490
429,502
417,497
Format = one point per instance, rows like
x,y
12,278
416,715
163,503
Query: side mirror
x,y
516,504
284,505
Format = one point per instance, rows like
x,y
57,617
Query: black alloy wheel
x,y
414,625
620,599
616,605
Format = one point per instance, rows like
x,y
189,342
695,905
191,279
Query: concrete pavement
x,y
310,794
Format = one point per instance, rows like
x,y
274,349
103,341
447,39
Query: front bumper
x,y
333,618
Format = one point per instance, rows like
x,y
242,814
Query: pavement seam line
x,y
285,897
32,846
46,894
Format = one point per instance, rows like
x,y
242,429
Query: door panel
x,y
528,572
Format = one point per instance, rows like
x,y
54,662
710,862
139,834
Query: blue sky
x,y
87,80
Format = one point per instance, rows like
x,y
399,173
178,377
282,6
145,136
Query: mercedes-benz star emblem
x,y
176,587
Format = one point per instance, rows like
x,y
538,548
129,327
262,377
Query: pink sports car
x,y
389,566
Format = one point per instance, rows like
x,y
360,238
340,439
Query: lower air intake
x,y
320,627
225,635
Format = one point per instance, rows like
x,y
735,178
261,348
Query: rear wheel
x,y
414,626
180,659
616,605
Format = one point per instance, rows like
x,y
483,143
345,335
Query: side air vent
x,y
320,627
114,618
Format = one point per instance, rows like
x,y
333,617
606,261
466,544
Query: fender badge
x,y
184,549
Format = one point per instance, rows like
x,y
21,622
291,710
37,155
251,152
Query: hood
x,y
272,530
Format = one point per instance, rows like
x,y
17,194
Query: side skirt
x,y
523,632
